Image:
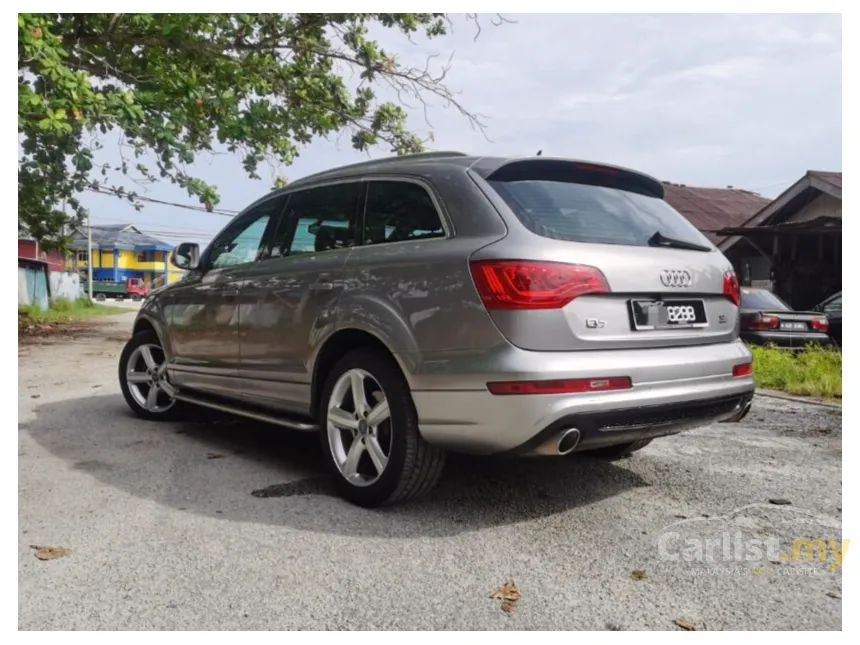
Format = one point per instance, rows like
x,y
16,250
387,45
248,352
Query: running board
x,y
265,417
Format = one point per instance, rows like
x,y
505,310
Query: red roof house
x,y
29,249
711,209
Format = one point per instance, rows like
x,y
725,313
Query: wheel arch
x,y
145,322
335,347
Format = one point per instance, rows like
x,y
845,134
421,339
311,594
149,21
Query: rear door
x,y
288,298
658,281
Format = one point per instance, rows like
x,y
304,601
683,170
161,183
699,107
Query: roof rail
x,y
418,156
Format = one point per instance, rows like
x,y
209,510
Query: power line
x,y
158,225
201,209
777,183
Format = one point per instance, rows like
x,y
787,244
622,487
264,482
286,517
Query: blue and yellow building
x,y
121,252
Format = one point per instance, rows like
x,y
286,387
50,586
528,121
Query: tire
x,y
166,409
620,451
412,467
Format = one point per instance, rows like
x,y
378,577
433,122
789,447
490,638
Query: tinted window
x,y
398,211
576,212
762,300
318,219
834,307
242,241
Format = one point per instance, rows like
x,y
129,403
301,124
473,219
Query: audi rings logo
x,y
675,278
681,314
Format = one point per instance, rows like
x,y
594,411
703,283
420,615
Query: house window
x,y
83,256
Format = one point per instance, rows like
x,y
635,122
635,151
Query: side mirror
x,y
186,256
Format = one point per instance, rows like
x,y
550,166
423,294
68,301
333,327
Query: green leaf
x,y
259,85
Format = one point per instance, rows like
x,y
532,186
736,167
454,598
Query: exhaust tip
x,y
738,416
568,441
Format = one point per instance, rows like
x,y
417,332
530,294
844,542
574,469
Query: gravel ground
x,y
230,525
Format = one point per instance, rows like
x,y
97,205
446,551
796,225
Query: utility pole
x,y
89,257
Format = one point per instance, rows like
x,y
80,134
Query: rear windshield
x,y
595,214
762,300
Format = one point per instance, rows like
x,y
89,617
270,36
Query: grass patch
x,y
815,371
32,318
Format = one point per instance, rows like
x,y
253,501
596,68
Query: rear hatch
x,y
596,259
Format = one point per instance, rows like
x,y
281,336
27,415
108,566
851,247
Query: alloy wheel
x,y
358,423
146,375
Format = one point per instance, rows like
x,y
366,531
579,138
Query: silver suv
x,y
406,307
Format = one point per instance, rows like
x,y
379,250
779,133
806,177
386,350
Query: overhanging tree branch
x,y
175,85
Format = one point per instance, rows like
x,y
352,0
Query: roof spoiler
x,y
568,170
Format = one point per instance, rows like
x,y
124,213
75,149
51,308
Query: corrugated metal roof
x,y
710,209
118,235
834,178
792,199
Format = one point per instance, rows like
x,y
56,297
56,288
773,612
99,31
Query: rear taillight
x,y
561,386
820,324
731,287
744,369
523,284
759,321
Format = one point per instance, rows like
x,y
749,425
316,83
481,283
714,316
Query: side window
x,y
243,242
318,219
398,211
834,306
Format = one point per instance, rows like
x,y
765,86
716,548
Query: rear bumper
x,y
786,340
457,412
600,429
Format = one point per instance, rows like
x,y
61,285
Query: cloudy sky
x,y
751,101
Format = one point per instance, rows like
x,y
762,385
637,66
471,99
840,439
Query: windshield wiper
x,y
658,239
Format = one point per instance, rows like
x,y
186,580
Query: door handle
x,y
322,286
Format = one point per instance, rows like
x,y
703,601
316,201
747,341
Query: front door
x,y
289,298
203,320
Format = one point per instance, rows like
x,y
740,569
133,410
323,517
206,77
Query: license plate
x,y
667,314
793,326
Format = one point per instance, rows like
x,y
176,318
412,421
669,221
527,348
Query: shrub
x,y
816,371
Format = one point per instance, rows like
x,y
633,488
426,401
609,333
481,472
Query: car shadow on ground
x,y
272,476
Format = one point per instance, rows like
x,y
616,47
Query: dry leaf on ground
x,y
509,595
215,455
638,574
50,552
685,624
